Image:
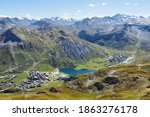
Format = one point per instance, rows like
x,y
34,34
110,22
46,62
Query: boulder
x,y
111,80
148,86
98,86
53,90
135,78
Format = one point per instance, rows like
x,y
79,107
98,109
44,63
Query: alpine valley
x,y
93,58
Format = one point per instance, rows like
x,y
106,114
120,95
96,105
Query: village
x,y
35,79
119,58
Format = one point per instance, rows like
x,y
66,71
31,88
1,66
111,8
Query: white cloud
x,y
135,4
142,14
1,15
104,4
4,16
20,16
92,5
127,3
90,15
29,16
66,15
79,11
78,14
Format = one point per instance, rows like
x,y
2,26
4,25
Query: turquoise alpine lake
x,y
73,72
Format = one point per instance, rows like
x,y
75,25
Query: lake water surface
x,y
73,72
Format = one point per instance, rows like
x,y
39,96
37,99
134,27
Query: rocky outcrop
x,y
53,90
99,86
148,86
9,36
75,49
11,90
111,80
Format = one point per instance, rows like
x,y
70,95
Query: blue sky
x,y
73,8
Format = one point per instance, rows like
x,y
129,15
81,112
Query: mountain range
x,y
49,43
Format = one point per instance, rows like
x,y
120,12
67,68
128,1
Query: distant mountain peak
x,y
120,15
58,21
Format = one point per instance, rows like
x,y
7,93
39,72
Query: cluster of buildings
x,y
117,58
35,79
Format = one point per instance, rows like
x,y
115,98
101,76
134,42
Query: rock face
x,y
111,80
8,36
75,50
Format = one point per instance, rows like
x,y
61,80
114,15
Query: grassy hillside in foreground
x,y
43,93
120,82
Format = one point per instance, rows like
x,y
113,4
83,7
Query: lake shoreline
x,y
74,72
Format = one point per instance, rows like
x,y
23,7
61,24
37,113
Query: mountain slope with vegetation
x,y
22,44
32,51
